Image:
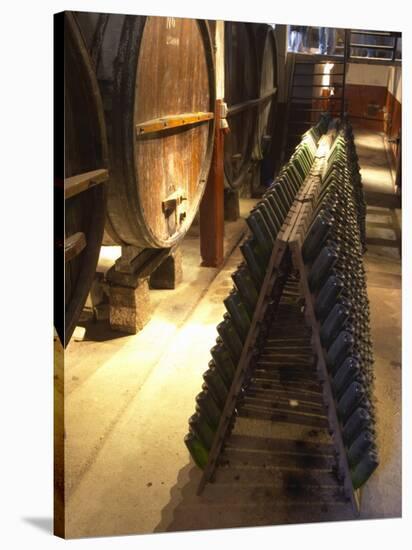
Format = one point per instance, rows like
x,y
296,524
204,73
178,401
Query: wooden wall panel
x,y
366,106
393,121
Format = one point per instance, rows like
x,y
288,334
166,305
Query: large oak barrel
x,y
268,82
268,86
241,90
85,170
157,79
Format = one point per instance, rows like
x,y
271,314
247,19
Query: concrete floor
x,y
382,495
128,398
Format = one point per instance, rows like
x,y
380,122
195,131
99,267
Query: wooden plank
x,y
284,415
279,445
73,245
82,182
291,404
172,121
284,393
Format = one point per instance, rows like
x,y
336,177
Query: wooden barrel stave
x,y
85,150
268,82
241,86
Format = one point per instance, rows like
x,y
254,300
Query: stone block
x,y
130,308
169,273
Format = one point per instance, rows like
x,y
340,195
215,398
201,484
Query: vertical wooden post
x,y
212,207
211,219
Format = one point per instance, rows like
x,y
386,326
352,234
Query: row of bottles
x,y
332,252
264,222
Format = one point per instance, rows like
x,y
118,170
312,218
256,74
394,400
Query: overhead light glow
x,y
326,76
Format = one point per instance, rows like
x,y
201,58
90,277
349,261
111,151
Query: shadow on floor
x,y
383,229
382,200
233,502
43,524
100,331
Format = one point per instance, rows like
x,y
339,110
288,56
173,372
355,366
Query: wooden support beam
x,y
250,103
81,182
171,121
211,219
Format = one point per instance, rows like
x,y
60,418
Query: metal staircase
x,y
316,85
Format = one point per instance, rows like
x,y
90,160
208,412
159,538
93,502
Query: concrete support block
x,y
130,308
231,205
169,273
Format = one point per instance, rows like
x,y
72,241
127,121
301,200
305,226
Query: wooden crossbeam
x,y
251,103
172,121
82,182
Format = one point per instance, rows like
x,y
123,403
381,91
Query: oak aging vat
x,y
157,80
250,93
241,91
266,148
85,171
268,82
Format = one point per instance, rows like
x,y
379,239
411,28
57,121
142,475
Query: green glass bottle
x,y
238,313
364,469
199,426
261,233
245,285
208,408
276,209
223,361
255,261
262,207
197,450
227,332
216,384
363,443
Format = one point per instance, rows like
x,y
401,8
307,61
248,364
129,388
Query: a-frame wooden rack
x,y
286,256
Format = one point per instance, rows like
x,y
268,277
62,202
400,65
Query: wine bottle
x,y
233,343
321,266
341,347
362,472
199,426
363,443
197,450
223,361
208,408
351,399
327,296
247,288
238,313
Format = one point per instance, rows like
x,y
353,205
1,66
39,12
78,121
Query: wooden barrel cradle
x,y
156,76
241,96
85,172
